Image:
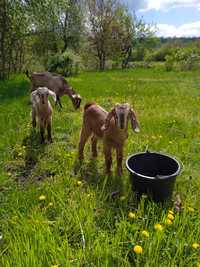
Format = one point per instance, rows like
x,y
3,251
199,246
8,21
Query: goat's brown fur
x,y
98,123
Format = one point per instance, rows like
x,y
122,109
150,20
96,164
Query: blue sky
x,y
179,18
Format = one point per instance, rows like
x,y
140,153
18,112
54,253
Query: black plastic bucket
x,y
153,174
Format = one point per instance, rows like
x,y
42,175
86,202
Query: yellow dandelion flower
x,y
158,227
170,217
168,222
198,264
9,173
79,183
42,197
195,245
50,204
137,249
170,142
131,215
55,265
145,233
160,136
190,209
171,212
122,198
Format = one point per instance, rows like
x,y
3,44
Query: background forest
x,y
68,36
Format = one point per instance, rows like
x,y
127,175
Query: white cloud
x,y
185,30
145,5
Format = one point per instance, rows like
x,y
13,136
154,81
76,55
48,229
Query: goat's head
x,y
40,95
76,100
121,113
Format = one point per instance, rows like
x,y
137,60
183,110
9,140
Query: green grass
x,y
85,226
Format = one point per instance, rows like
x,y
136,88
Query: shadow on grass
x,y
33,150
108,185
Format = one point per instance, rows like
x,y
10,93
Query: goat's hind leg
x,y
94,146
85,134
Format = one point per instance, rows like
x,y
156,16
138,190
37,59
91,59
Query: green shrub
x,y
160,54
67,63
169,63
183,59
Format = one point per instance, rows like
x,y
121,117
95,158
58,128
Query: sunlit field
x,y
54,212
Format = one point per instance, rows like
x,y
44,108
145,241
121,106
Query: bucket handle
x,y
158,177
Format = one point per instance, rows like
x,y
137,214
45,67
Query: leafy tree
x,y
101,18
13,24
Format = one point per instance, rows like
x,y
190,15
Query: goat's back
x,y
52,81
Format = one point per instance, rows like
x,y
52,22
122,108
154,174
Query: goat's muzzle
x,y
42,99
121,121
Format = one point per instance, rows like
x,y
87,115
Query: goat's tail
x,y
89,104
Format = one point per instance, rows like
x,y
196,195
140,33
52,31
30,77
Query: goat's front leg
x,y
108,158
42,130
49,131
85,134
58,101
119,152
94,146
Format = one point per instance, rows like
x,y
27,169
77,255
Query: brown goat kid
x,y
112,127
55,83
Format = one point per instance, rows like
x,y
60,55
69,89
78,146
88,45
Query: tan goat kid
x,y
42,110
112,127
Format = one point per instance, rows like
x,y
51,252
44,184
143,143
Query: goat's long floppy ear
x,y
51,93
34,97
134,122
110,115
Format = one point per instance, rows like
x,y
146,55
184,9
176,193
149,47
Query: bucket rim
x,y
153,177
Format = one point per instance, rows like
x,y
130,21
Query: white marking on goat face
x,y
43,93
122,112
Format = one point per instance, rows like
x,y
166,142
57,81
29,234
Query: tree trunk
x,y
126,60
102,60
2,39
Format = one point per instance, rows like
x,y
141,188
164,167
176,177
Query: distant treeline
x,y
66,36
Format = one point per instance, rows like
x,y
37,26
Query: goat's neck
x,y
69,91
44,107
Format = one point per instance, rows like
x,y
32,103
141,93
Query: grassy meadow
x,y
55,213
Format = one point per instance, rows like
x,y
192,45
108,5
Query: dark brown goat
x,y
55,83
